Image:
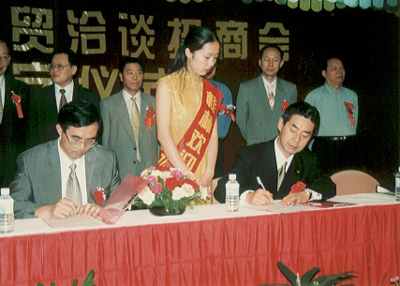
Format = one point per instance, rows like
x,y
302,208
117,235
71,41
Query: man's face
x,y
62,75
270,63
82,134
5,59
132,78
334,73
294,135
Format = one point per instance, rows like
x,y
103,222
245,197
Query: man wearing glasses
x,y
46,102
12,122
59,178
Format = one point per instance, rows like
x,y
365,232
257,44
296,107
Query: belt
x,y
334,138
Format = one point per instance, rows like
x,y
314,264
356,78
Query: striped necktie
x,y
135,121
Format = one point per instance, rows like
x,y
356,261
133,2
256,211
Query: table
x,y
208,246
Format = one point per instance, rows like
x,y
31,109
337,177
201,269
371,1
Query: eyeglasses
x,y
4,58
92,142
60,67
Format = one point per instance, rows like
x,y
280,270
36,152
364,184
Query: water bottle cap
x,y
5,191
232,176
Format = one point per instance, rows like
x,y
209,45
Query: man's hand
x,y
296,198
61,209
89,210
260,197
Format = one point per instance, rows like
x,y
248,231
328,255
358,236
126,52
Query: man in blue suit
x,y
57,179
261,101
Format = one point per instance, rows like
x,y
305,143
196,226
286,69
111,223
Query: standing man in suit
x,y
129,121
57,179
261,101
46,102
284,166
12,122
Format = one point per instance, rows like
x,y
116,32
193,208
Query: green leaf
x,y
39,284
89,280
309,275
288,274
75,282
334,279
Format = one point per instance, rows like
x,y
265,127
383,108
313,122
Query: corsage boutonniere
x,y
149,120
350,106
99,195
285,105
17,100
298,187
228,110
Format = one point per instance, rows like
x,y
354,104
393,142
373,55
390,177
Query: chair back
x,y
354,182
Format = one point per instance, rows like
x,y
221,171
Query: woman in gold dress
x,y
187,106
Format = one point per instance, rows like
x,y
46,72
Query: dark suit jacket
x,y
259,160
13,129
256,121
118,134
38,180
44,113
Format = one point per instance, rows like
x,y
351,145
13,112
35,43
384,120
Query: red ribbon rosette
x,y
17,100
350,106
99,196
149,120
298,187
227,111
285,105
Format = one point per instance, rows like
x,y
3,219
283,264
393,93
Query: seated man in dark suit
x,y
46,102
57,179
258,166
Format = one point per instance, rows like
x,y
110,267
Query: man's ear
x,y
280,124
281,64
74,70
324,74
59,129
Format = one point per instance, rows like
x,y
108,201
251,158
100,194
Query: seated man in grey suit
x,y
129,123
46,102
270,170
262,100
57,179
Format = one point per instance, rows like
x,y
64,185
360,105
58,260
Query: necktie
x,y
271,97
1,108
73,189
135,120
281,175
63,99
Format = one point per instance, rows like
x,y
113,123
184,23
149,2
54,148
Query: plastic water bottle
x,y
6,211
397,185
232,194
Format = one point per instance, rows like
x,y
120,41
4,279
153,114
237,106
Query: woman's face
x,y
201,61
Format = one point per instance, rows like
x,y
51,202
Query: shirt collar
x,y
280,158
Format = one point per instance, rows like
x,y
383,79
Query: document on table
x,y
276,207
74,222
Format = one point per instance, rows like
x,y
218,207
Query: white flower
x,y
147,196
165,175
204,193
182,192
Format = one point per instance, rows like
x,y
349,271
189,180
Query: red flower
x,y
350,107
285,105
99,196
298,187
17,100
172,183
149,120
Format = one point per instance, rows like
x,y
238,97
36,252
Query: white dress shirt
x,y
69,92
3,89
128,101
80,173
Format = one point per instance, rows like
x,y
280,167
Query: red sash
x,y
195,141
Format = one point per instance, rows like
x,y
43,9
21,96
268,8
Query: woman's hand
x,y
205,179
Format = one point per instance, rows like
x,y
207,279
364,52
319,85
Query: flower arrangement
x,y
171,189
394,280
307,278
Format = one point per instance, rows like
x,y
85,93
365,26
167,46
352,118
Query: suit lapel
x,y
262,96
123,115
91,175
52,171
279,98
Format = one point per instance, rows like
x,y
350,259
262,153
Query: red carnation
x,y
190,182
172,183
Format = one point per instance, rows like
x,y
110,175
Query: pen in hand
x,y
260,183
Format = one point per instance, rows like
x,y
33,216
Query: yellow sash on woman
x,y
193,144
